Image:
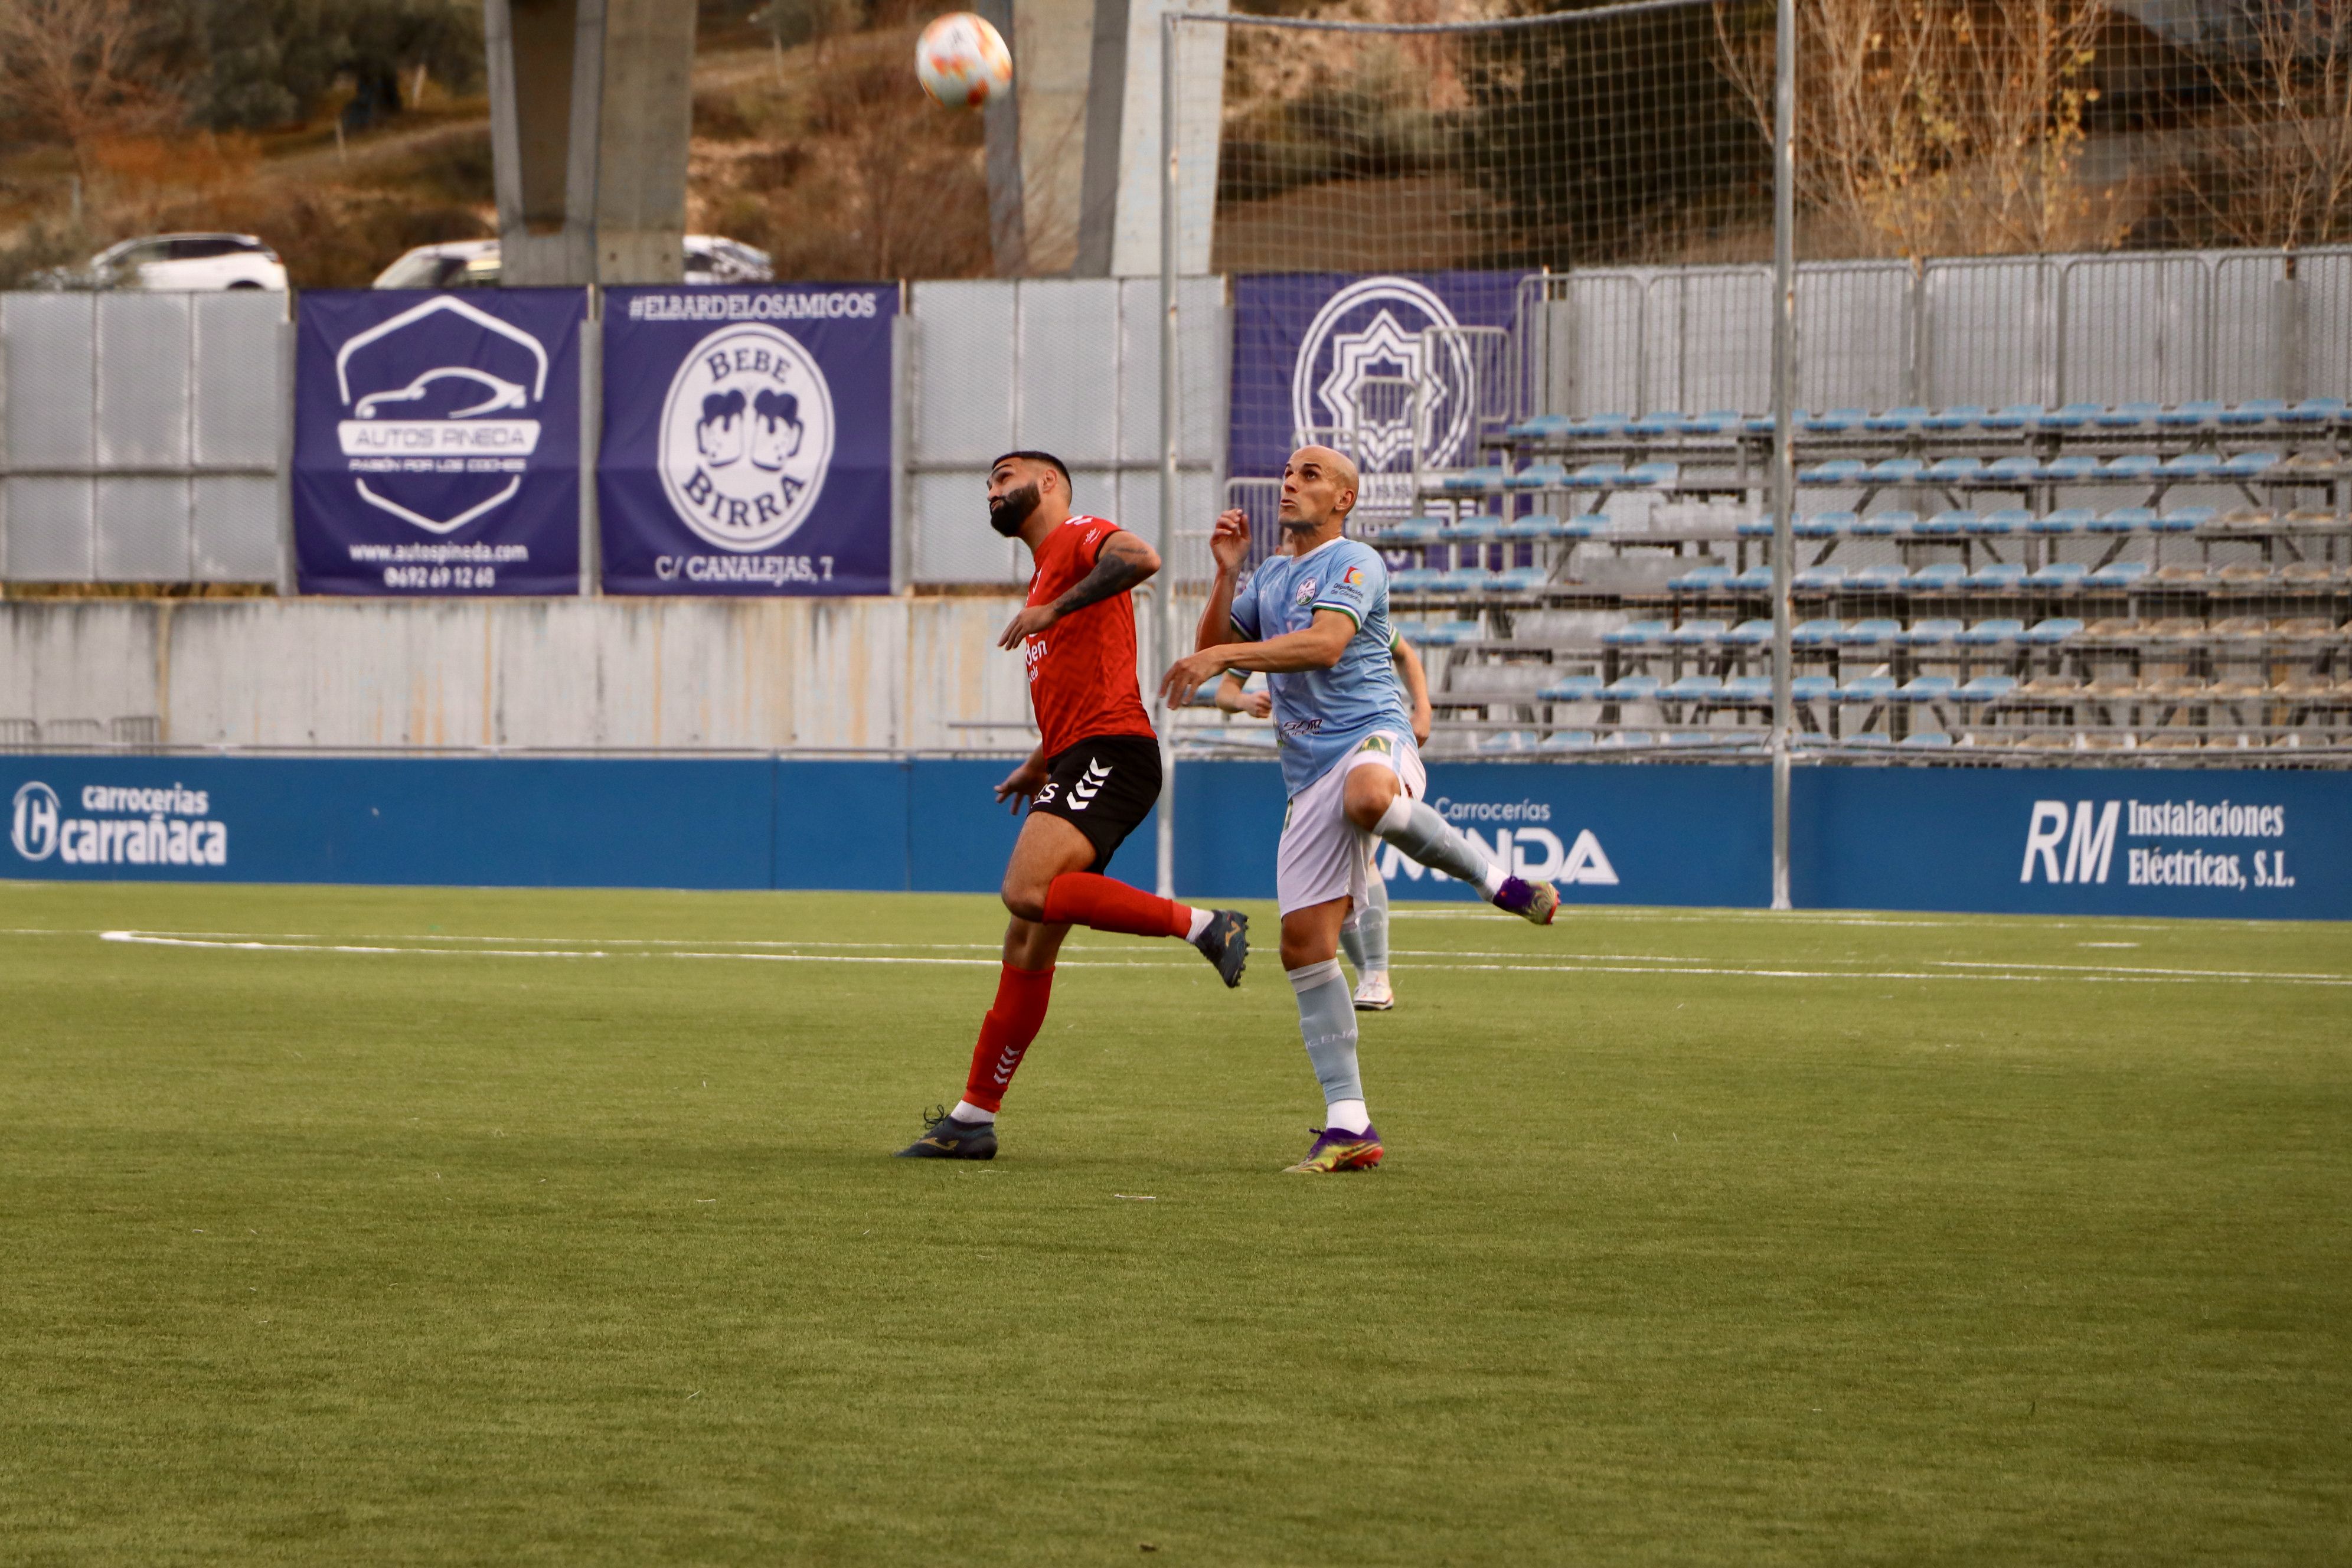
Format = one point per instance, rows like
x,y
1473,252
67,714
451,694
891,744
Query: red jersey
x,y
1082,668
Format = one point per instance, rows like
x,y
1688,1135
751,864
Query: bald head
x,y
1318,491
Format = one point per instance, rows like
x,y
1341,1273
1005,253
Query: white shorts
x,y
1323,855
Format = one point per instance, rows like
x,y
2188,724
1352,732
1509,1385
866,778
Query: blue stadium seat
x,y
1998,632
1692,689
2008,472
2132,465
1958,418
1895,421
1505,741
1814,633
1656,476
1934,632
1753,633
1937,577
1633,688
1943,525
1538,525
1542,427
2191,466
1999,577
2126,520
1662,422
2129,416
1414,580
1896,471
1755,528
1594,425
1411,531
2051,632
1757,579
1637,634
2185,520
2247,464
1440,634
2254,411
1927,689
1474,481
1819,580
2065,521
1812,688
2000,523
2117,574
1884,524
1567,741
1823,525
1696,634
1714,422
1597,477
2012,417
1833,421
1876,631
2192,415
1478,529
2071,417
2314,411
2070,466
1538,476
1954,470
1878,577
1463,580
1836,471
1520,580
1987,688
1747,691
1571,688
1867,689
2058,577
1926,741
1628,740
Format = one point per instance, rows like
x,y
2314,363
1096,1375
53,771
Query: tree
x,y
2272,164
82,70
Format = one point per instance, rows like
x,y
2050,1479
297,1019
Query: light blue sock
x,y
1372,923
1352,941
1419,832
1327,1019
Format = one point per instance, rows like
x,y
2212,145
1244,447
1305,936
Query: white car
x,y
187,261
474,264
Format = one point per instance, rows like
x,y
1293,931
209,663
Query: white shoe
x,y
1372,994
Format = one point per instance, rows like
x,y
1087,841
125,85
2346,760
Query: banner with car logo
x,y
437,442
747,440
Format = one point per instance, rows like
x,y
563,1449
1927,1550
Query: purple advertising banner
x,y
436,441
747,440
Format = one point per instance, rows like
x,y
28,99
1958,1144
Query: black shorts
x,y
1102,787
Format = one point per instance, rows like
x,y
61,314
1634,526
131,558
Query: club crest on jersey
x,y
746,437
1304,594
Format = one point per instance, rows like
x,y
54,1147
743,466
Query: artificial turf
x,y
1703,1238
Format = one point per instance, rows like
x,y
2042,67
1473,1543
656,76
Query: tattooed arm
x,y
1122,563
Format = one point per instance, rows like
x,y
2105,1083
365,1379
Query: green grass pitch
x,y
564,1233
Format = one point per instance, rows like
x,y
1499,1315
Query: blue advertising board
x,y
436,441
747,440
2251,845
1321,352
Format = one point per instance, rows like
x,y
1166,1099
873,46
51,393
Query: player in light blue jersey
x,y
1317,621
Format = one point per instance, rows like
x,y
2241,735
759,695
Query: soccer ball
x,y
962,61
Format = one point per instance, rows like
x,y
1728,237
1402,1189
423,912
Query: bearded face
x,y
1008,512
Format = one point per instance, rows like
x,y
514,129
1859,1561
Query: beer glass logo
x,y
746,437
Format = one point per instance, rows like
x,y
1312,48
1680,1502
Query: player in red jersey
x,y
1093,777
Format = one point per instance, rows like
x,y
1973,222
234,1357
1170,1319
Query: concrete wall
x,y
768,675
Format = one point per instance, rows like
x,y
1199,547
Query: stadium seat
x,y
1656,476
1472,482
1518,580
1695,634
2191,466
1754,528
2124,520
1757,579
1867,689
1411,531
1943,525
1884,525
1818,580
1934,632
2051,632
1542,427
2313,411
1414,580
1571,688
1538,525
1875,631
1955,418
2070,417
2184,519
1814,633
1691,689
1927,689
1986,689
1937,577
1821,525
1895,421
2132,465
1538,476
1832,422
1567,741
1812,688
2247,464
2010,472
1714,422
2128,416
1598,425
1927,740
1954,470
1995,632
2069,468
1836,471
1746,692
2012,417
1661,422
1597,477
2000,577
2254,411
1755,633
1633,688
1472,530
1463,580
2065,521
1439,634
2192,415
2118,574
1628,740
1636,634
2000,523
1880,577
1505,741
2058,577
1896,471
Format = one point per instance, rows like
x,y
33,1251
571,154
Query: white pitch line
x,y
150,939
2144,968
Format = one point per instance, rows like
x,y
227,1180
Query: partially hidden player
x,y
1364,935
1316,619
1093,777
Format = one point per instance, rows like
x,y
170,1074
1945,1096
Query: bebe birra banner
x,y
747,440
436,441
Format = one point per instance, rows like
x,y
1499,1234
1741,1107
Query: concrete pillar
x,y
592,108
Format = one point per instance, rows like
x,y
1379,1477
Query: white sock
x,y
965,1110
1346,1115
1201,919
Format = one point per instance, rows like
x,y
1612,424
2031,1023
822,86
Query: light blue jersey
x,y
1320,714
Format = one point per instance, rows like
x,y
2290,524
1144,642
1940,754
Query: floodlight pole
x,y
1171,425
1784,424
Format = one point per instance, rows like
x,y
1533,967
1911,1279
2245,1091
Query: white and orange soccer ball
x,y
962,61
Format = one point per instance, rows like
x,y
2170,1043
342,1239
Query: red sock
x,y
1005,1034
1106,903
